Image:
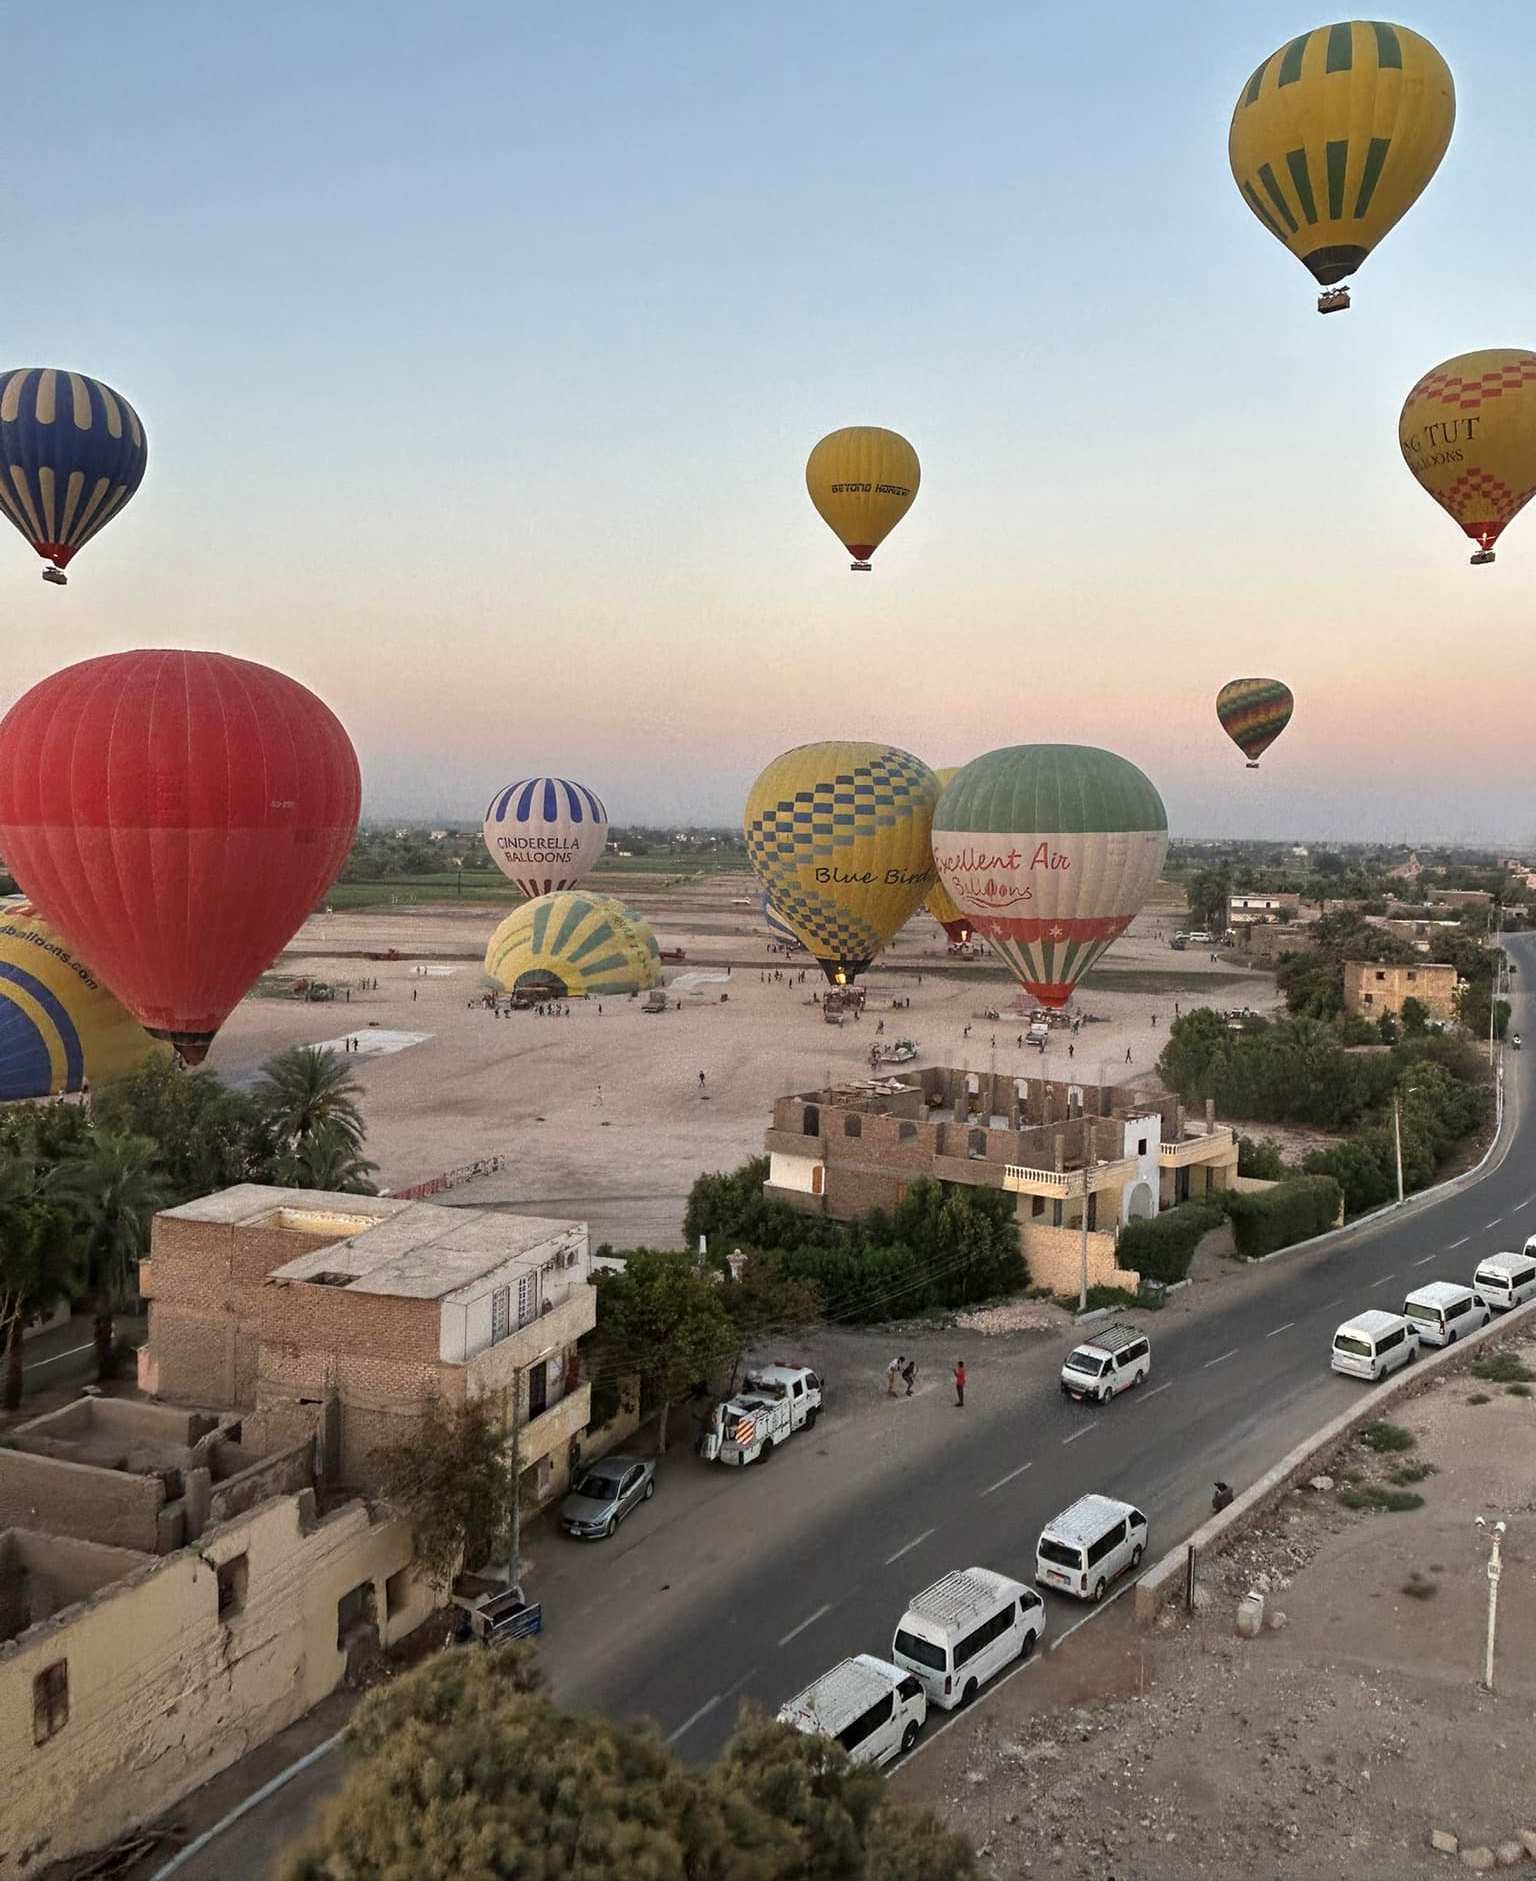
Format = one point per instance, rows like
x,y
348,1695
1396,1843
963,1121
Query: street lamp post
x,y
1397,1145
1495,1568
1082,1291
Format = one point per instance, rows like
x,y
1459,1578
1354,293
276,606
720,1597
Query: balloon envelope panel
x,y
546,833
574,945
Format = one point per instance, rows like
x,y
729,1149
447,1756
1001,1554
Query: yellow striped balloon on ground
x,y
574,945
59,1026
1468,434
1253,713
838,834
1052,849
955,922
863,481
1336,136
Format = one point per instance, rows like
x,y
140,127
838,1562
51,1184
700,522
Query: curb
x,y
1158,1585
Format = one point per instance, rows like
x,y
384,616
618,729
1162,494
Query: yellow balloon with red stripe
x,y
862,480
1468,434
1336,136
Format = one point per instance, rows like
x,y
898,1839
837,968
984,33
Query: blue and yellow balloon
x,y
72,453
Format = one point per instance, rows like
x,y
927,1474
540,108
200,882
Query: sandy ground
x,y
601,1115
1332,1746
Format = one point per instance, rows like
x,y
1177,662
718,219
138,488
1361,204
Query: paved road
x,y
747,1585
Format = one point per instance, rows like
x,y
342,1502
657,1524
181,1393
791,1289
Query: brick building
x,y
1370,990
342,1314
1245,910
1055,1146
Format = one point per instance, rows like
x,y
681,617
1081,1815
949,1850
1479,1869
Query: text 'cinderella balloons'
x,y
1334,139
862,481
838,835
175,816
1053,849
1253,713
546,833
72,453
1468,434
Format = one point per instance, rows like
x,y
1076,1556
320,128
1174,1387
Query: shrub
x,y
1418,1588
1384,1438
1109,1296
1380,1501
1502,1368
1414,1472
1517,1391
1161,1248
1260,1159
1479,1397
1296,1210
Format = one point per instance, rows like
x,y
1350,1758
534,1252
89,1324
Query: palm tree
x,y
112,1187
327,1159
305,1091
39,1258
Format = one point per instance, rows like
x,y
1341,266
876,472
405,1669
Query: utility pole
x,y
515,1550
1495,1568
1397,1145
1082,1292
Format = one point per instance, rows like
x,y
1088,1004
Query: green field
x,y
492,885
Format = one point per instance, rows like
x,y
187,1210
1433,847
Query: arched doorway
x,y
1141,1204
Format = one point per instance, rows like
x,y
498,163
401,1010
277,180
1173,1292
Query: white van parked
x,y
957,1633
1444,1310
1084,1548
1372,1344
1507,1280
872,1708
1110,1362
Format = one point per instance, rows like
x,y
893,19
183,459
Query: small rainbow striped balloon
x,y
1253,713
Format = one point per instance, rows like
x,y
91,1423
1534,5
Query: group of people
x,y
904,1370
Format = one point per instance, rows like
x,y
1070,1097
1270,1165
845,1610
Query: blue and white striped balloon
x,y
546,833
72,453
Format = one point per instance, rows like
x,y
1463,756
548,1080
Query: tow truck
x,y
773,1403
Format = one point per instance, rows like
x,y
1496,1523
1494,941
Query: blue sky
x,y
480,349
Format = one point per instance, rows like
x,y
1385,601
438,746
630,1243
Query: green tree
x,y
449,1475
765,1299
112,1187
306,1093
40,1261
663,1318
208,1137
326,1159
1415,1017
1206,894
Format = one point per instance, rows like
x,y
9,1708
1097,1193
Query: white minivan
x,y
1372,1344
957,1633
1110,1362
872,1708
1507,1280
1084,1548
1444,1310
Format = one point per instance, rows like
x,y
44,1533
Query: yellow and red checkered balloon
x,y
1468,432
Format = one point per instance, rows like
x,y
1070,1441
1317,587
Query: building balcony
x,y
1217,1145
1060,1183
545,1335
552,1430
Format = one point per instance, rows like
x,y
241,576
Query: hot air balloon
x,y
60,1029
779,928
939,902
72,453
1334,139
862,481
1253,713
1053,849
175,816
573,945
546,833
1468,432
838,834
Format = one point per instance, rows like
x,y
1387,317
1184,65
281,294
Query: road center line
x,y
1331,1304
688,1723
1425,1262
1081,1433
1383,1280
1222,1360
1462,1242
36,1365
1525,1204
1156,1388
795,1631
916,1542
1279,1329
1003,1481
1494,1223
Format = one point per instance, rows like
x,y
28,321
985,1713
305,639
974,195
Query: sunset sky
x,y
480,348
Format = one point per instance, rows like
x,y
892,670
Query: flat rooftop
x,y
422,1252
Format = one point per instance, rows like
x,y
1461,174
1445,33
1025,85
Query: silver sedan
x,y
604,1493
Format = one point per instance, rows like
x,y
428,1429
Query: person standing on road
x,y
1127,1054
909,1372
959,1384
701,1080
892,1373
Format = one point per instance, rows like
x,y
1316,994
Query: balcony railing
x,y
1023,1180
1207,1146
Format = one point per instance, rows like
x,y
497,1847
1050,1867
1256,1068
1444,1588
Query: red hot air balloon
x,y
175,815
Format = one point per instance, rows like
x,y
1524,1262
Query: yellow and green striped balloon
x,y
1336,136
573,945
1253,713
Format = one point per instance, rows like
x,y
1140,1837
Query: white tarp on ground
x,y
697,982
372,1040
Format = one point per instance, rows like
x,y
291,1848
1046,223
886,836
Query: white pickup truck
x,y
773,1403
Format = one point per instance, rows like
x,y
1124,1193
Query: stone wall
x,y
107,1506
1055,1257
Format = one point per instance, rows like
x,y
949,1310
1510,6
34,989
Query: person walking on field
x,y
892,1373
909,1372
701,1080
959,1384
